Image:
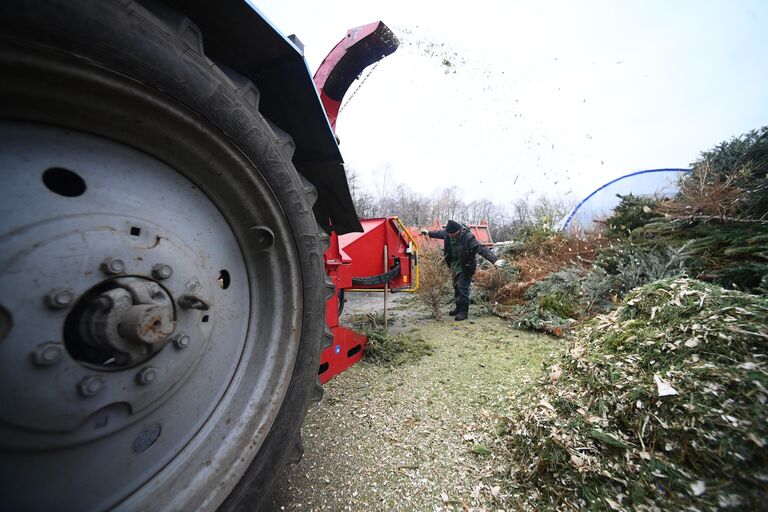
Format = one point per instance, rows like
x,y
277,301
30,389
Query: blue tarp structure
x,y
599,204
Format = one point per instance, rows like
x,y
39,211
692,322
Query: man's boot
x,y
454,311
462,312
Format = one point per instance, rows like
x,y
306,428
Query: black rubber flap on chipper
x,y
378,279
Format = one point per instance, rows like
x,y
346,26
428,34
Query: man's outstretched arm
x,y
487,253
440,233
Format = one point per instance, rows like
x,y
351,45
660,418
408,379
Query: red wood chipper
x,y
384,257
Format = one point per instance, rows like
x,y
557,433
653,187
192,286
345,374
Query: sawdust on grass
x,y
405,437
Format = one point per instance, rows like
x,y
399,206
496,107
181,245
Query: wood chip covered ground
x,y
410,437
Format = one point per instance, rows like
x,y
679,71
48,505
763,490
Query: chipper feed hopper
x,y
381,258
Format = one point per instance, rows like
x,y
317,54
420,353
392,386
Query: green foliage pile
x,y
551,303
721,214
622,267
731,254
572,294
742,163
719,220
387,349
632,212
659,405
715,230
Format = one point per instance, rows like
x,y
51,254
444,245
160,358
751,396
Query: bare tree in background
x,y
413,208
363,201
385,191
521,212
501,226
547,211
543,212
478,211
447,204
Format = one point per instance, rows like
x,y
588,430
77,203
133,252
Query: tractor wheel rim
x,y
118,213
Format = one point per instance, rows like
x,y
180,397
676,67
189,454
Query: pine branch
x,y
718,218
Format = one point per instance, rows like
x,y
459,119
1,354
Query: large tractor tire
x,y
162,291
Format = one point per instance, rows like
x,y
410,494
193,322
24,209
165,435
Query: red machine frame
x,y
384,256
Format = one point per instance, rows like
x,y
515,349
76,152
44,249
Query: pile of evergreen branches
x,y
714,230
659,405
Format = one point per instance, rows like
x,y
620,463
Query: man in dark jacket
x,y
459,250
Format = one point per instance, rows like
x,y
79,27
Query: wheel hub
x,y
120,323
117,330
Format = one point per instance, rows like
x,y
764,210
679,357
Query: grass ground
x,y
407,437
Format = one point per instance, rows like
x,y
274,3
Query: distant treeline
x,y
417,209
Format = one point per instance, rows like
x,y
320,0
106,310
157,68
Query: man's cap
x,y
452,226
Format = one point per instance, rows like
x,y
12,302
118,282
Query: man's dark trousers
x,y
461,290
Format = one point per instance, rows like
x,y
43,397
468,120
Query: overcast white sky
x,y
552,97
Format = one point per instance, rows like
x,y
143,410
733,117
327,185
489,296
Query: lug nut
x,y
48,353
162,271
181,342
113,266
193,301
91,385
146,376
59,298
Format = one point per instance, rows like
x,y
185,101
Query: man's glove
x,y
424,232
501,263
